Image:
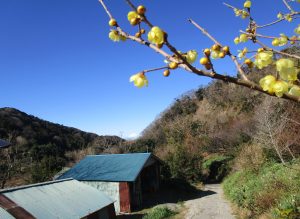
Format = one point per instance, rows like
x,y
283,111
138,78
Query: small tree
x,y
284,83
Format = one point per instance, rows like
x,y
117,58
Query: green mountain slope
x,y
40,148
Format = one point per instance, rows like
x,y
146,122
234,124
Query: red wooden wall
x,y
125,200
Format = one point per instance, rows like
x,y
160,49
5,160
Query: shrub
x,y
159,213
274,188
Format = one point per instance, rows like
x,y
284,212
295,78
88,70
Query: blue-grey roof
x,y
4,144
65,199
109,167
5,215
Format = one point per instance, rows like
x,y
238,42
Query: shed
x,y
64,199
124,177
4,144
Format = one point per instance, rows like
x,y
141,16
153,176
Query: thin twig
x,y
293,14
277,51
229,6
287,5
154,69
240,70
264,36
106,9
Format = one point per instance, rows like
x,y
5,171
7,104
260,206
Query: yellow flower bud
x,y
207,52
112,22
141,9
166,73
204,61
279,15
247,4
225,49
216,47
173,65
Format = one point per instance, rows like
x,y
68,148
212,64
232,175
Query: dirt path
x,y
211,206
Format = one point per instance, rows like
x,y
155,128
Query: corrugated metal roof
x,y
4,144
5,215
108,167
58,199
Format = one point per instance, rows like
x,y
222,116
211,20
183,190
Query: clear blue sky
x,y
57,62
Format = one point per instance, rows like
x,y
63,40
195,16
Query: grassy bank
x,y
272,191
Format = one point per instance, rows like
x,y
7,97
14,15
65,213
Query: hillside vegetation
x,y
40,148
223,130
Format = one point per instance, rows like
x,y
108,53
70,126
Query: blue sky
x,y
57,62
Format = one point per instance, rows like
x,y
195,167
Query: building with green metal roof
x,y
62,199
126,178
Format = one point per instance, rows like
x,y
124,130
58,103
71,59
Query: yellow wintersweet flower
x,y
156,35
237,12
236,40
263,59
133,17
242,53
276,42
295,90
215,54
283,39
297,30
267,83
279,15
247,4
243,38
191,56
280,88
114,36
245,14
139,80
287,69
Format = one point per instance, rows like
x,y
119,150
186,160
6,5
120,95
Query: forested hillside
x,y
41,148
224,130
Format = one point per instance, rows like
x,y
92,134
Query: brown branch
x,y
196,71
264,36
240,70
276,51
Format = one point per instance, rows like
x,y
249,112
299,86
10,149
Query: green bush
x,y
159,213
274,188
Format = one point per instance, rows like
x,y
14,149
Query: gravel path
x,y
211,206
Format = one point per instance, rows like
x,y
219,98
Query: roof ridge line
x,y
91,155
34,185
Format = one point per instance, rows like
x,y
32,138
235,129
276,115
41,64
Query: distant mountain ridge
x,y
40,148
